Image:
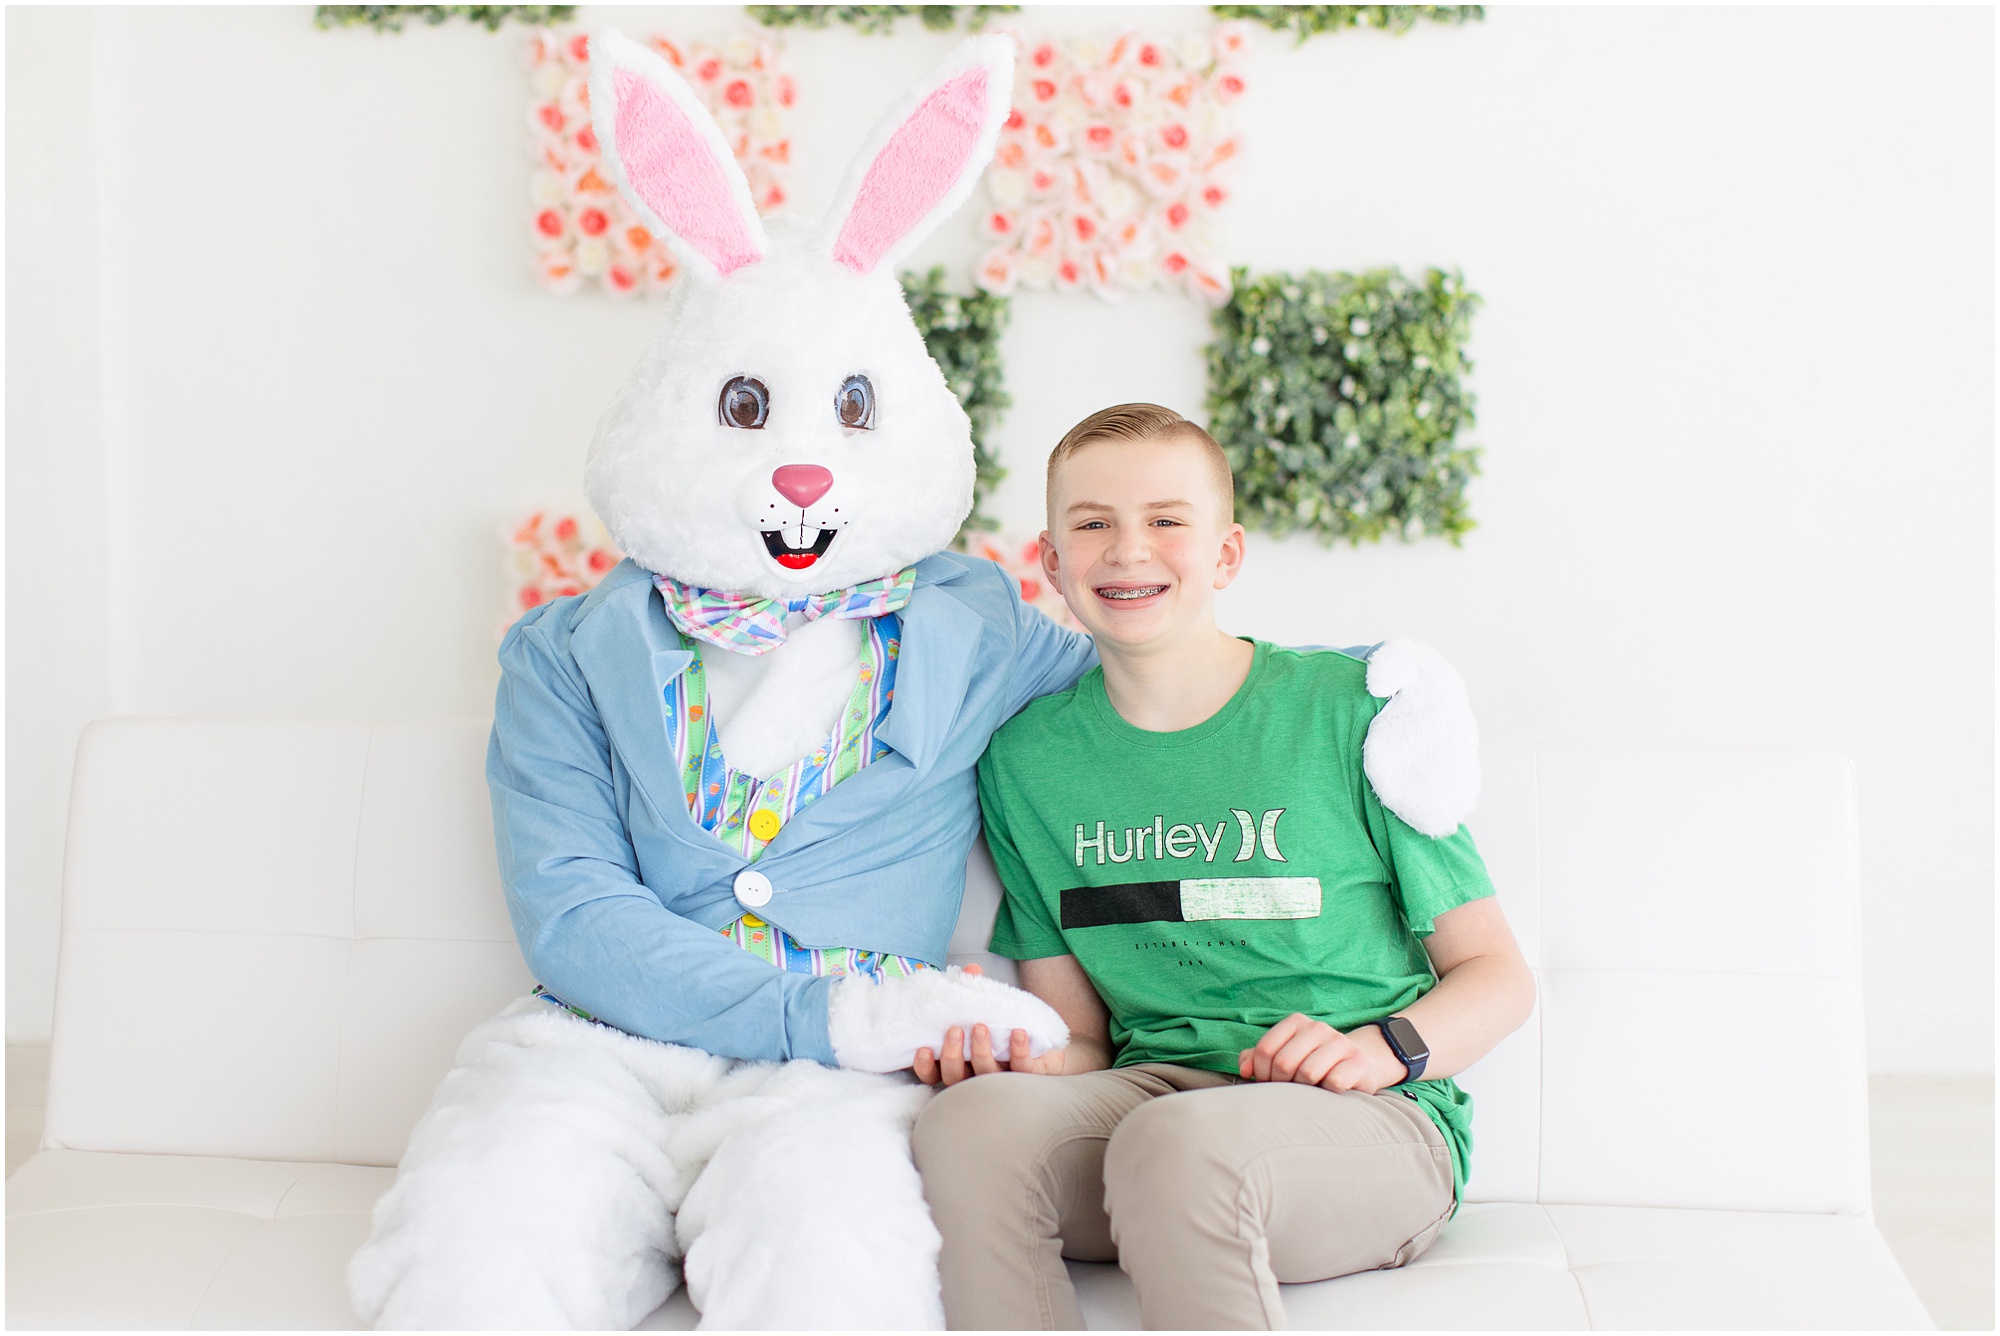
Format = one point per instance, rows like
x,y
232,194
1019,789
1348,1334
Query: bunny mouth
x,y
797,558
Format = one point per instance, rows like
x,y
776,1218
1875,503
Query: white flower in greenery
x,y
1423,408
1359,325
1261,346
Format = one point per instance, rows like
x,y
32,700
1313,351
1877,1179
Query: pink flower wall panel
x,y
1114,162
583,230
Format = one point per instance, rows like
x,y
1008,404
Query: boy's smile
x,y
1140,540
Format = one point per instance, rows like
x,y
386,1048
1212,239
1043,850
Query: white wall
x,y
278,371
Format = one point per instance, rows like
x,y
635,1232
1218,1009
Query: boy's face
x,y
1138,541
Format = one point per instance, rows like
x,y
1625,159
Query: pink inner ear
x,y
671,166
917,167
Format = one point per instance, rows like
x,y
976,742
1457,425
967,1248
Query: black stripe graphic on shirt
x,y
1134,902
1196,900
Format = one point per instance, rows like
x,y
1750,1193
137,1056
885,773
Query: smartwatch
x,y
1406,1044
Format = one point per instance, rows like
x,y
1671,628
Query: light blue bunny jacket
x,y
617,896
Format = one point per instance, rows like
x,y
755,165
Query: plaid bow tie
x,y
753,624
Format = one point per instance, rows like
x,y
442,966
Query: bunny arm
x,y
590,930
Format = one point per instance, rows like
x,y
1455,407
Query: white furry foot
x,y
1422,752
538,1189
878,1027
811,1214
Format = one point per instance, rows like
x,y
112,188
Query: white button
x,y
753,889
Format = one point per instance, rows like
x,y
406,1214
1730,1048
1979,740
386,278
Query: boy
x,y
1242,940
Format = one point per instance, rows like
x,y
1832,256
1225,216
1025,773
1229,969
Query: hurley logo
x,y
1181,841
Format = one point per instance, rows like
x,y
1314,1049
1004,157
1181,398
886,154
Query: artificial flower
x,y
1118,142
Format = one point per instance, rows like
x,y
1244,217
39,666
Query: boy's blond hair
x,y
1143,422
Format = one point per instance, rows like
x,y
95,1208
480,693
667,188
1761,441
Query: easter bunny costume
x,y
733,785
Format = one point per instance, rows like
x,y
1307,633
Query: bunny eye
x,y
854,406
745,403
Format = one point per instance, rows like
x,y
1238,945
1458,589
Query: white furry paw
x,y
878,1027
1422,752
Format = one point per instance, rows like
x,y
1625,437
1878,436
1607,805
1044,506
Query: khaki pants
x,y
1208,1198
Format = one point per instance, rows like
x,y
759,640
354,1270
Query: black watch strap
x,y
1406,1044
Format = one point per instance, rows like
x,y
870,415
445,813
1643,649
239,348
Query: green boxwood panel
x,y
1305,20
391,18
877,18
1339,399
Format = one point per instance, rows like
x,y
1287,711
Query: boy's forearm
x,y
1061,982
1479,1002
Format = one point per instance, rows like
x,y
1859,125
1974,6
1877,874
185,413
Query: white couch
x,y
275,933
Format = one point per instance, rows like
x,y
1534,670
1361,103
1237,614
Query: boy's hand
x,y
1299,1048
953,1066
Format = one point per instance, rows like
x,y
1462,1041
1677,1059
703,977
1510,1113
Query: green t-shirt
x,y
1215,880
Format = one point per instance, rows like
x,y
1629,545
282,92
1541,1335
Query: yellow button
x,y
764,824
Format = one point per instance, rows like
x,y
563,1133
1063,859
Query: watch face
x,y
1406,1038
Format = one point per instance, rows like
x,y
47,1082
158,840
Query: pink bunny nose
x,y
802,484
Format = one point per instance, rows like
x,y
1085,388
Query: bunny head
x,y
787,433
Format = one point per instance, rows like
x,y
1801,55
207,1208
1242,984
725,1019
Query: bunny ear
x,y
670,159
923,159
